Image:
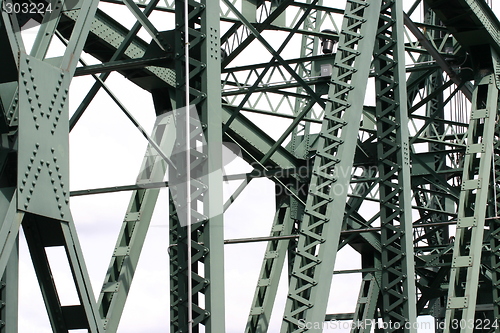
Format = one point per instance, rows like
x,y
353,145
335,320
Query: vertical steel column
x,y
398,291
207,261
135,225
366,305
10,218
319,232
466,260
10,221
9,289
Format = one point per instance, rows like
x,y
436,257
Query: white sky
x,y
107,150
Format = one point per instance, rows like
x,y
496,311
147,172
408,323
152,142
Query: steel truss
x,y
387,144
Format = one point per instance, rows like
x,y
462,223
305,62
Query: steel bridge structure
x,y
390,146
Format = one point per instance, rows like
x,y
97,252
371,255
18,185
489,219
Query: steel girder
x,y
36,166
493,214
469,237
436,171
398,284
196,246
319,233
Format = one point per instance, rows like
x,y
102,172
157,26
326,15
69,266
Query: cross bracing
x,y
375,121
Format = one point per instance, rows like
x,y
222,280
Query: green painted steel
x,y
270,273
493,214
366,304
416,157
319,232
39,112
135,225
204,224
469,237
